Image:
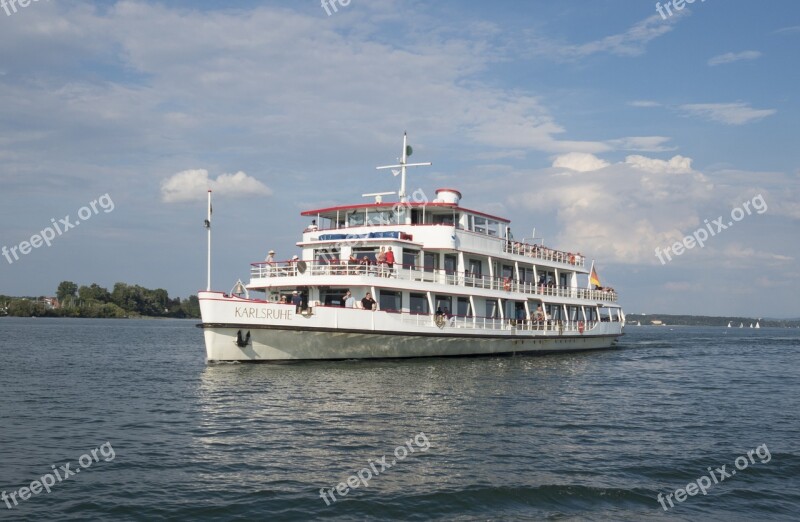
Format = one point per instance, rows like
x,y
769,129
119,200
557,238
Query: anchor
x,y
242,342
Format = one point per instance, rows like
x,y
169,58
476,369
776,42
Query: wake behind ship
x,y
411,278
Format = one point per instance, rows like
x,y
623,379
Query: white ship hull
x,y
257,331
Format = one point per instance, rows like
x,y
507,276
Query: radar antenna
x,y
407,150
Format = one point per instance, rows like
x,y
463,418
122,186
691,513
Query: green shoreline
x,y
124,301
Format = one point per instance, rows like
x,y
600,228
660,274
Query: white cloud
x,y
728,113
631,42
733,57
676,165
193,184
791,29
641,143
622,211
580,162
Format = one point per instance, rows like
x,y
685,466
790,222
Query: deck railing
x,y
488,323
541,252
293,269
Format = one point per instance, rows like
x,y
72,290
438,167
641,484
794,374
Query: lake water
x,y
589,436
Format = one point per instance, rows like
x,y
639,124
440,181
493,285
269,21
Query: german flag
x,y
593,279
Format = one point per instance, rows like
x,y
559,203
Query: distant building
x,y
51,303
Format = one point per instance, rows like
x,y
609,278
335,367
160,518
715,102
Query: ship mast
x,y
402,166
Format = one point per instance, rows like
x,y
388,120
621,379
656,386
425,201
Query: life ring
x,y
507,284
580,326
439,319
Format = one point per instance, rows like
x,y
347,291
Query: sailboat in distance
x,y
729,324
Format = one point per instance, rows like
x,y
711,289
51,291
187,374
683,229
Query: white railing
x,y
541,252
488,323
265,270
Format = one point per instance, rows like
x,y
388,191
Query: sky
x,y
612,129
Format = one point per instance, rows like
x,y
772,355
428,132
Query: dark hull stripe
x,y
518,353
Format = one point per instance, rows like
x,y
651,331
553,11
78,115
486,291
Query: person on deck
x,y
389,261
349,300
297,301
368,302
381,261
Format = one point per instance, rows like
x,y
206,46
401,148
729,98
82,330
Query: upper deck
x,y
439,224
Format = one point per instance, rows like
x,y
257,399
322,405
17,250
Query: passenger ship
x,y
460,285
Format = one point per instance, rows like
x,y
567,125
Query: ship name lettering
x,y
261,313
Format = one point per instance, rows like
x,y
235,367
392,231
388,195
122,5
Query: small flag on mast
x,y
593,279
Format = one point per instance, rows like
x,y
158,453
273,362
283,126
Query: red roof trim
x,y
388,206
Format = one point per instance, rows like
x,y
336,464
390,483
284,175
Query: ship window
x,y
519,311
474,274
555,312
390,300
492,310
444,303
480,225
492,227
370,253
430,261
464,307
508,271
443,219
325,256
383,217
450,263
355,219
418,304
475,267
573,312
332,296
410,258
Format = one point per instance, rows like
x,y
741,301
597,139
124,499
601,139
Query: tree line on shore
x,y
122,301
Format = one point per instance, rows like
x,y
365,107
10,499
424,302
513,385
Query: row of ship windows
x,y
418,303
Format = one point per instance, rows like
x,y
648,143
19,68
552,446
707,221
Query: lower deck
x,y
470,311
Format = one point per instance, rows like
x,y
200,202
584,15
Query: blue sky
x,y
609,129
